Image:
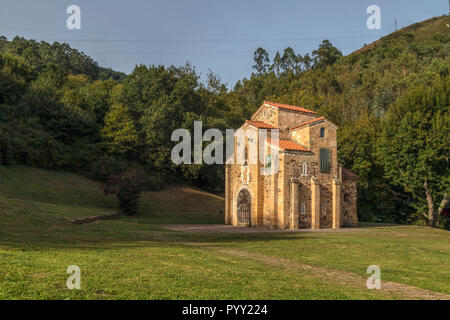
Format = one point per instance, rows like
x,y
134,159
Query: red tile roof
x,y
260,124
308,122
290,145
289,107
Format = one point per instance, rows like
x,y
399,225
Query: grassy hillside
x,y
420,31
69,195
134,258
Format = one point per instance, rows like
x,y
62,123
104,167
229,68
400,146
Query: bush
x,y
127,186
443,221
5,149
153,181
27,143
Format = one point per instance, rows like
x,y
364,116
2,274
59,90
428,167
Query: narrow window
x,y
303,208
304,169
324,209
245,156
324,160
268,161
322,132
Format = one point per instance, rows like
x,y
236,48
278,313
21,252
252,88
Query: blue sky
x,y
211,34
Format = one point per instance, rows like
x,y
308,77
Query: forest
x,y
60,110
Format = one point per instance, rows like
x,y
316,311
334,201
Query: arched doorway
x,y
244,203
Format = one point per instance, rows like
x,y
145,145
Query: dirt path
x,y
393,289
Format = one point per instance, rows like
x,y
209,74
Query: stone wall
x,y
301,136
281,195
293,166
349,202
289,119
267,115
282,119
305,198
326,204
268,210
329,141
242,176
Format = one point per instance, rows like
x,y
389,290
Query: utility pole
x,y
395,21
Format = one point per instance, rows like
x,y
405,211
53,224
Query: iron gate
x,y
244,207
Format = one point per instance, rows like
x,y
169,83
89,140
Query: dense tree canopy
x,y
414,146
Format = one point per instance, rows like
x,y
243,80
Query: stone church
x,y
309,189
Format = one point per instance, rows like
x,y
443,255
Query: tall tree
x,y
306,61
261,58
289,61
414,146
15,72
277,64
119,130
326,55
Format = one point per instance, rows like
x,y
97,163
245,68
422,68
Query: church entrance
x,y
244,208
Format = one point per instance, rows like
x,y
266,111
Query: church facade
x,y
300,183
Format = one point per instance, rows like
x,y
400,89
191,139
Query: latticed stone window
x,y
303,208
304,169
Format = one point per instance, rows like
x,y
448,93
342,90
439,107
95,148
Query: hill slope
x,y
45,198
420,31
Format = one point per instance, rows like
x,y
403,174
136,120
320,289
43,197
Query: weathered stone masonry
x,y
310,188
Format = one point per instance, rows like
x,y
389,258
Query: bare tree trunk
x,y
431,213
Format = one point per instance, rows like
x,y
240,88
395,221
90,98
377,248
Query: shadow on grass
x,y
139,231
376,225
120,234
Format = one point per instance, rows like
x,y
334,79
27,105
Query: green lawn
x,y
136,258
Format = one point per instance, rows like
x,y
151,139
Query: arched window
x,y
244,206
322,132
304,169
